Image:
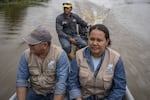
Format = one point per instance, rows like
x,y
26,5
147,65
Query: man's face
x,y
37,49
67,10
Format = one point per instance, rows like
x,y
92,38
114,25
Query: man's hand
x,y
78,98
59,97
73,41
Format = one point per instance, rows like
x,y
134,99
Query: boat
x,y
127,96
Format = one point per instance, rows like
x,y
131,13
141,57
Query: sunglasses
x,y
66,4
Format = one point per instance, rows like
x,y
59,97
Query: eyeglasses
x,y
35,43
32,45
40,43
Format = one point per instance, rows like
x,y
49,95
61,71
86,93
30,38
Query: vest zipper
x,y
94,85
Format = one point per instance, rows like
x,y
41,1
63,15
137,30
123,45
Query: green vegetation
x,y
20,1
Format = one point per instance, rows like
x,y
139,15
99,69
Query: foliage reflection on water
x,y
12,16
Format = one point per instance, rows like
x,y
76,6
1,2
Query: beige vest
x,y
102,83
43,74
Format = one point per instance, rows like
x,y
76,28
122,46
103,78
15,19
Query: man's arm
x,y
81,22
119,82
83,27
21,93
73,81
62,69
22,78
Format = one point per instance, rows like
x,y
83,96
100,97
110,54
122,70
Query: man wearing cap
x,y
66,27
45,66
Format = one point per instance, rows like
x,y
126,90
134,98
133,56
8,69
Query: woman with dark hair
x,y
97,72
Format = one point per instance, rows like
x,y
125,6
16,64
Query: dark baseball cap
x,y
40,34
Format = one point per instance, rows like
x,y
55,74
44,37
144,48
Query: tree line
x,y
9,1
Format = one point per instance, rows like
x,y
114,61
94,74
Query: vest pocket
x,y
51,71
107,83
83,73
34,71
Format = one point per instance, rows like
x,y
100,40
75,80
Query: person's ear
x,y
107,42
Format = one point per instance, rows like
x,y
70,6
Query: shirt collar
x,y
66,15
87,53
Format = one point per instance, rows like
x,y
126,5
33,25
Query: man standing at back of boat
x,y
66,27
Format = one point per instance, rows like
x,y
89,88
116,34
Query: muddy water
x,y
15,22
129,23
120,16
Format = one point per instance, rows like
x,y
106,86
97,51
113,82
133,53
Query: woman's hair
x,y
103,28
49,43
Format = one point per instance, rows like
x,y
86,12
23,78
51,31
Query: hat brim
x,y
30,40
68,6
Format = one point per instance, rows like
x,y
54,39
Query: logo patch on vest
x,y
64,22
51,64
109,68
74,20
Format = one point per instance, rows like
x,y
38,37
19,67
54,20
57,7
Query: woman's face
x,y
97,42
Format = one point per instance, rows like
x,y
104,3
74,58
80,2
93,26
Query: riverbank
x,y
24,2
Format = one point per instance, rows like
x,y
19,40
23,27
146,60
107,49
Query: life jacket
x,y
43,73
102,83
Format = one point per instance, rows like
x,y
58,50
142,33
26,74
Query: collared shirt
x,y
62,69
119,80
67,26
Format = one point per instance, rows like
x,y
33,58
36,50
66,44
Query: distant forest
x,y
9,1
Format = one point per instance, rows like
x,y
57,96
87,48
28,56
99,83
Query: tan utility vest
x,y
102,83
43,74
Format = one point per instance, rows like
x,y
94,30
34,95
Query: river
x,y
128,21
